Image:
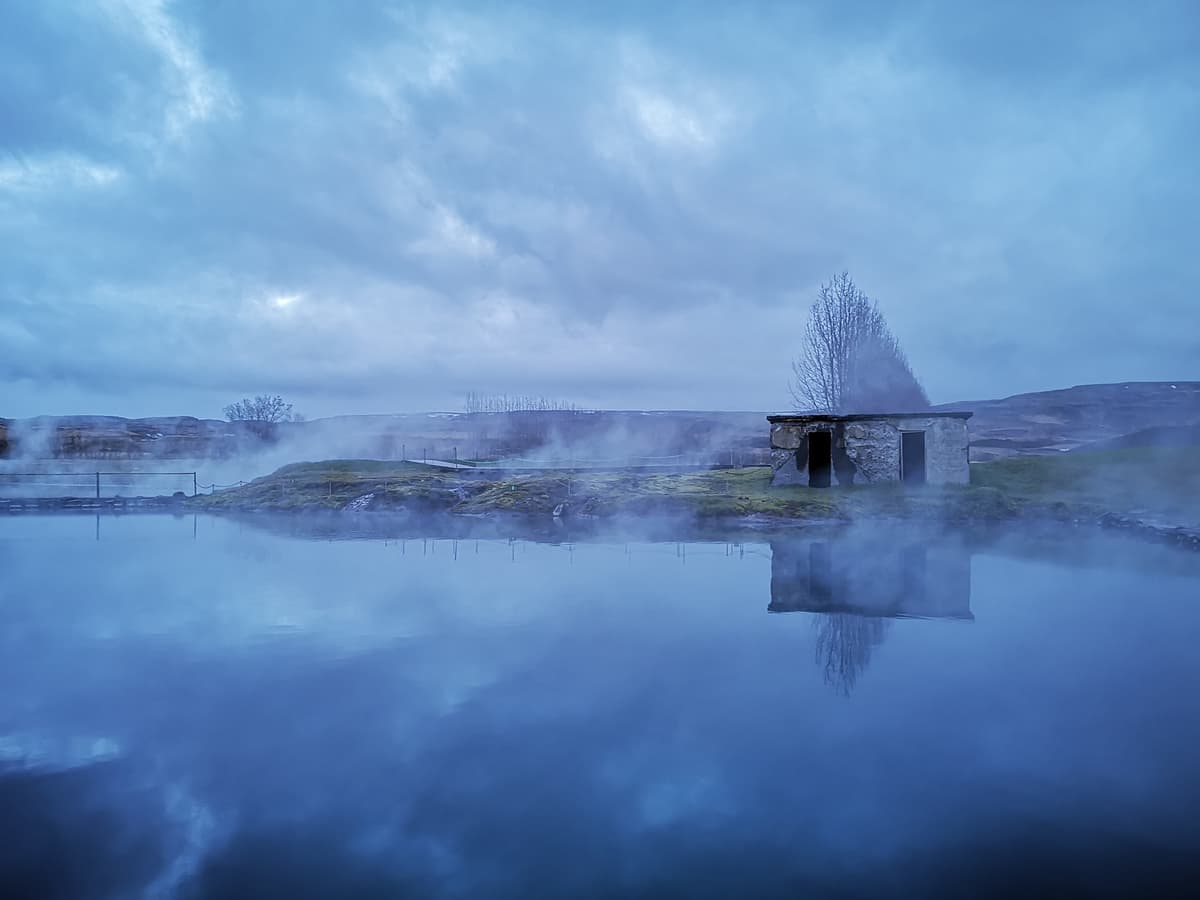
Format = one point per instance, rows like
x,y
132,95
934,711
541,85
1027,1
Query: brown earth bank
x,y
1045,422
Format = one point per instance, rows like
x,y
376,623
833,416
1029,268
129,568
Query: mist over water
x,y
210,709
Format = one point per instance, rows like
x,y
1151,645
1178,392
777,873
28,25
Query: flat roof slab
x,y
803,418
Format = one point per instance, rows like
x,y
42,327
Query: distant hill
x,y
1045,422
610,434
1056,421
1160,437
113,437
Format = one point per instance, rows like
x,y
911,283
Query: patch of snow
x,y
359,504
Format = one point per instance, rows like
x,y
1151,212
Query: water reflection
x,y
251,715
857,585
176,515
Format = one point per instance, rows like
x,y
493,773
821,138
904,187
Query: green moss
x,y
1144,481
1084,485
330,484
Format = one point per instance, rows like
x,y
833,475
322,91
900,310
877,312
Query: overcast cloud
x,y
376,208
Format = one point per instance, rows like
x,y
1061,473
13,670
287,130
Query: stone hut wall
x,y
867,450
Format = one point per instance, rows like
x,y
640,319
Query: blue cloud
x,y
583,200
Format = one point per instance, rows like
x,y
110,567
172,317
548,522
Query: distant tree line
x,y
477,402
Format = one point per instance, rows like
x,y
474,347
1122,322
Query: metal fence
x,y
97,484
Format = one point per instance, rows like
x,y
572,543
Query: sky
x,y
380,207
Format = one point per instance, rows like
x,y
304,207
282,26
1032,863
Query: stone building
x,y
855,585
821,450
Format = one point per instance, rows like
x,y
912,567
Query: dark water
x,y
202,709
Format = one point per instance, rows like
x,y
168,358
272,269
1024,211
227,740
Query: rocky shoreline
x,y
1174,535
91,504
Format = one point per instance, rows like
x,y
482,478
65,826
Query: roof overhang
x,y
806,418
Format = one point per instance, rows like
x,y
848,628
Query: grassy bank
x,y
1163,485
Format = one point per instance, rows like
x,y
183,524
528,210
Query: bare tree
x,y
844,646
263,413
849,359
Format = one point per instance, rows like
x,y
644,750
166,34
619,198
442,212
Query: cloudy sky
x,y
375,208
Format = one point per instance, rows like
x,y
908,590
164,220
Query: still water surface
x,y
200,708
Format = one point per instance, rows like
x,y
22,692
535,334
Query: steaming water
x,y
198,708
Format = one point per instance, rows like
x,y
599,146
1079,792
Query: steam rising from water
x,y
223,454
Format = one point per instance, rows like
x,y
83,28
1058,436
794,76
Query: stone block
x,y
786,437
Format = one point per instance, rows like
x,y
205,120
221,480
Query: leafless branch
x,y
849,360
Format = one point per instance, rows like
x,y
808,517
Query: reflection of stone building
x,y
824,450
856,587
878,578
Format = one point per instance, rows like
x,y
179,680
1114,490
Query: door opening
x,y
820,575
820,458
912,457
913,571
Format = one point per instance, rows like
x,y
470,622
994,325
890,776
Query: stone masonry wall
x,y
868,451
946,451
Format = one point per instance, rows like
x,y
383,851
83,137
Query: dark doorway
x,y
912,456
820,575
913,565
820,458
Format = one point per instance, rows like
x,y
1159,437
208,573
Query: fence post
x,y
456,456
97,485
403,453
195,485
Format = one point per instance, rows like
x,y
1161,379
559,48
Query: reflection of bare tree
x,y
844,645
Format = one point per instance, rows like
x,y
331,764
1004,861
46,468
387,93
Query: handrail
x,y
96,475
